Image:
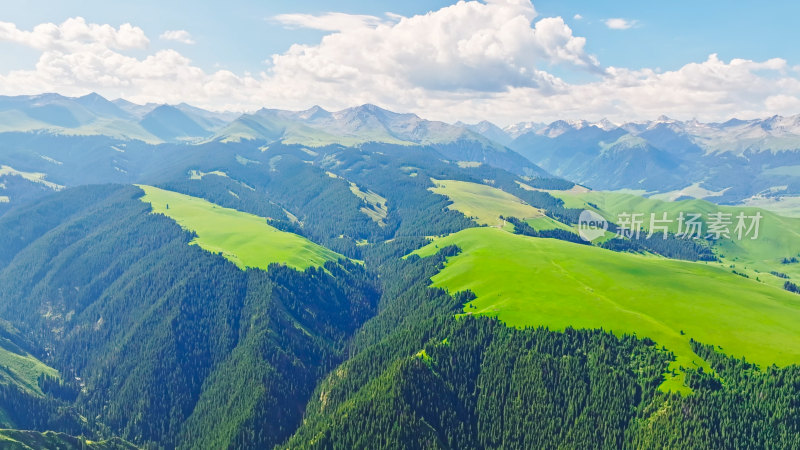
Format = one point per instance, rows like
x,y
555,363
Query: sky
x,y
501,60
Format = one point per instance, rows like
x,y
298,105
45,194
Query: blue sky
x,y
234,43
236,34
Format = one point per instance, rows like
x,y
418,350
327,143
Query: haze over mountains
x,y
755,161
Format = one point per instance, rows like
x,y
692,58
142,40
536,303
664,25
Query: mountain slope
x,y
489,131
158,328
667,301
171,124
421,378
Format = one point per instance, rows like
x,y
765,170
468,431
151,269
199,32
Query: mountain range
x,y
737,161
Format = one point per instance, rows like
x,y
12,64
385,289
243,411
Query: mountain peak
x,y
520,128
164,108
315,112
93,96
605,124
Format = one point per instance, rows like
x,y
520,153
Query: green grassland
x,y
484,204
17,366
779,236
245,239
23,370
545,282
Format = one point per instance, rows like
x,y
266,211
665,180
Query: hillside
x,y
154,327
424,378
546,282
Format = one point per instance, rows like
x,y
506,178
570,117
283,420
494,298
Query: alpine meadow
x,y
475,224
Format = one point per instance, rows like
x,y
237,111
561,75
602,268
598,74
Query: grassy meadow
x,y
245,239
779,236
23,370
484,204
545,282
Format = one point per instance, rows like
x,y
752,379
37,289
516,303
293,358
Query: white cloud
x,y
617,23
181,36
75,33
469,61
577,17
470,45
328,22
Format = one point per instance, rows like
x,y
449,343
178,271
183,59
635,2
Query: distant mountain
x,y
317,127
82,116
212,120
518,129
169,123
733,160
100,107
736,160
489,130
93,115
506,135
366,123
134,109
41,111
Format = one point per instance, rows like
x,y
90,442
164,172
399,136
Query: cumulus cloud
x,y
712,89
469,61
73,34
328,22
577,17
181,36
470,45
617,23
